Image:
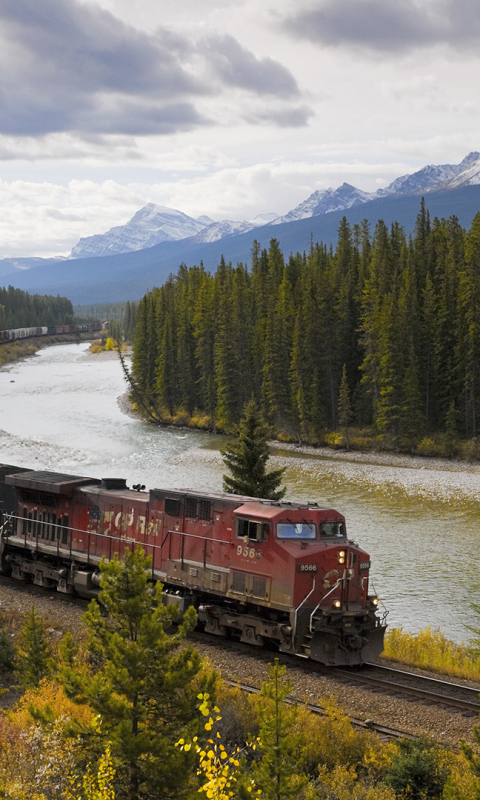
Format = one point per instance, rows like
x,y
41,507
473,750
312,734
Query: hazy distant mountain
x,y
11,265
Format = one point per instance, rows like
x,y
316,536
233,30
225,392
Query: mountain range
x,y
126,261
154,224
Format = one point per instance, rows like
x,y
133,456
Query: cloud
x,y
237,66
281,116
67,66
386,26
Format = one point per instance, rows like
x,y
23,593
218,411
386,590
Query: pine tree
x,y
276,774
144,686
34,657
246,459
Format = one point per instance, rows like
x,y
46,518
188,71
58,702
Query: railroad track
x,y
385,733
377,678
409,684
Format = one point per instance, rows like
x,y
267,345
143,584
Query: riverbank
x,y
24,348
370,457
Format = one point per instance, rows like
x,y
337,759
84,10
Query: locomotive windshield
x,y
295,530
332,530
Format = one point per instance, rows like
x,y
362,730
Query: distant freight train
x,y
26,333
263,571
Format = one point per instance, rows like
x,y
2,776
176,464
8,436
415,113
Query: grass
x,y
431,650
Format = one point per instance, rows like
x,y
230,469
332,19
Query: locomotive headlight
x,y
374,601
341,556
337,604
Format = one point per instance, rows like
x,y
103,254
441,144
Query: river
x,y
418,519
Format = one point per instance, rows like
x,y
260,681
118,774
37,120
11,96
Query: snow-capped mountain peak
x,y
323,201
151,225
470,174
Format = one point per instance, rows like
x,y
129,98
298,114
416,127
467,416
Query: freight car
x,y
264,571
26,333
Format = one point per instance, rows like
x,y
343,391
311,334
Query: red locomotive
x,y
263,570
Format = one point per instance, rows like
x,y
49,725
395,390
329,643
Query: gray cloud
x,y
72,67
386,26
237,66
282,117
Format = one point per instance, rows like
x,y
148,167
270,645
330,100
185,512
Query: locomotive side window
x,y
296,530
198,508
191,507
204,510
332,530
254,531
172,506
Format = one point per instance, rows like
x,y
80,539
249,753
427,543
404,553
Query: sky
x,y
229,108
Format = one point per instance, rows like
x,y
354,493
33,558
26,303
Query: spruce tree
x,y
141,684
34,657
247,458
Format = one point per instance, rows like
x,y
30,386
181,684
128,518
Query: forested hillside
x,y
398,318
19,309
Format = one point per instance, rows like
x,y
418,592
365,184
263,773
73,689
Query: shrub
x,y
430,649
334,439
417,770
427,447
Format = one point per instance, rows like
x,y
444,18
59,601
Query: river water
x,y
419,520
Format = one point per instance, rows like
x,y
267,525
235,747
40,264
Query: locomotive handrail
x,y
335,586
196,536
109,536
301,604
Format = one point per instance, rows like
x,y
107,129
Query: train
x,y
265,572
25,333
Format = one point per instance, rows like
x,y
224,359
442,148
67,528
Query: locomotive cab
x,y
320,578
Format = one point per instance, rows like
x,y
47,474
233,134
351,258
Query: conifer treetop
x,y
246,459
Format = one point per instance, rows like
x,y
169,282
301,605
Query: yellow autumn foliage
x,y
36,754
431,650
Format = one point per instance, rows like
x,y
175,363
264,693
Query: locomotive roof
x,y
239,499
64,484
43,480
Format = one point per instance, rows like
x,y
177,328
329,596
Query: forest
x,y
20,309
373,340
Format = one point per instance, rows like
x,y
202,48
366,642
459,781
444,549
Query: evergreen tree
x,y
246,459
276,774
34,657
7,652
417,771
344,407
143,686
